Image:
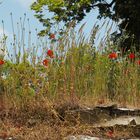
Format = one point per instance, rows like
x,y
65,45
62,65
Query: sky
x,y
19,7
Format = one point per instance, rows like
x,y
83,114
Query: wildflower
x,y
50,53
138,62
131,55
1,62
52,36
62,63
45,62
113,55
109,133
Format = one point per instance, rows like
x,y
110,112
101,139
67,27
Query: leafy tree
x,y
125,12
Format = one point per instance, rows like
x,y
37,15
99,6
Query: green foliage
x,y
112,83
126,11
77,70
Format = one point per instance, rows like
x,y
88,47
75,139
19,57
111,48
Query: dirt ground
x,y
106,122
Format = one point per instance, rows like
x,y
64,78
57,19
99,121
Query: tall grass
x,y
79,74
78,70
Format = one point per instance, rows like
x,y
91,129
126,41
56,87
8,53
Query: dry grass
x,y
43,119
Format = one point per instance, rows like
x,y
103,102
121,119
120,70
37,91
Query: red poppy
x,y
138,62
109,133
52,36
131,55
50,53
45,62
1,62
62,63
113,55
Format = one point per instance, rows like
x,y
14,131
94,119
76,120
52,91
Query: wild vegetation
x,y
40,81
125,13
69,73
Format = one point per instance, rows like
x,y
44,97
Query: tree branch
x,y
113,1
104,4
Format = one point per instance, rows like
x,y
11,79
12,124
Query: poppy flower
x,y
45,62
1,62
50,53
138,62
131,55
113,55
52,36
62,63
109,133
